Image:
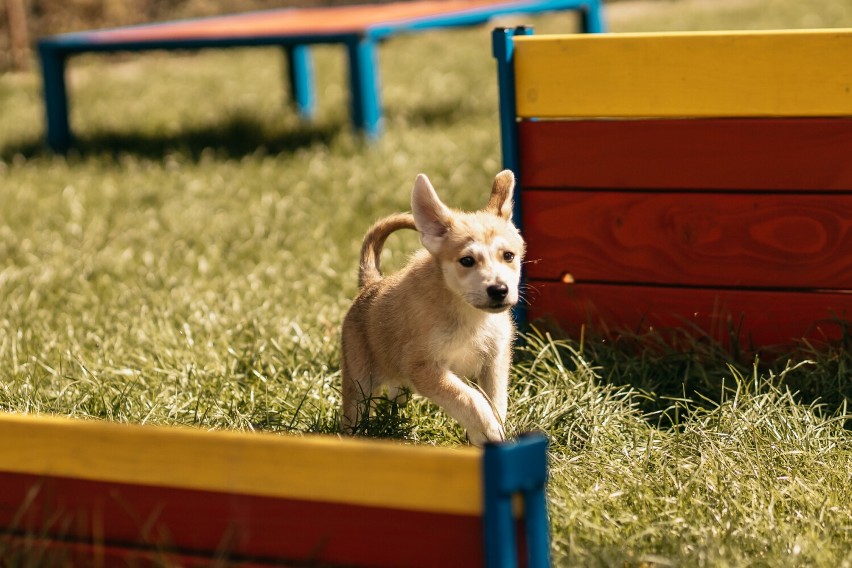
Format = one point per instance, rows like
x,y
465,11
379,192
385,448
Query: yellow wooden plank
x,y
688,74
315,468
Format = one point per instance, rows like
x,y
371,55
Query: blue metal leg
x,y
502,40
501,550
510,469
537,528
593,18
55,97
364,85
503,49
300,70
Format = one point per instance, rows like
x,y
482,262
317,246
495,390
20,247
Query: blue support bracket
x,y
592,17
503,46
300,70
364,86
516,468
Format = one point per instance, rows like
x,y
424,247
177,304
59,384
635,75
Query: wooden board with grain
x,y
793,154
697,182
685,74
141,494
746,319
745,240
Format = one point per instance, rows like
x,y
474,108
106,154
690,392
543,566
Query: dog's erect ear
x,y
433,218
500,202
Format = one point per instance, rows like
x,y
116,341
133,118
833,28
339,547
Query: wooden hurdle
x,y
358,28
88,493
698,181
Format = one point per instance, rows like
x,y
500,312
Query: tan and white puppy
x,y
442,319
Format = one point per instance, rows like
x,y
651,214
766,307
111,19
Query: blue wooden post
x,y
300,71
503,50
55,96
502,40
364,86
516,468
592,17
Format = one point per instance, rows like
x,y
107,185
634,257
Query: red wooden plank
x,y
736,154
767,318
141,520
313,21
22,550
754,240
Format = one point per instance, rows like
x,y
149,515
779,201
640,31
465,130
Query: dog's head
x,y
480,253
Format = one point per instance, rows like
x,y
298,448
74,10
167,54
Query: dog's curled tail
x,y
370,269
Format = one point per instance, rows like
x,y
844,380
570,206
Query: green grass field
x,y
191,261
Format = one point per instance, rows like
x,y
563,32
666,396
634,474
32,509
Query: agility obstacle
x,y
692,181
88,493
358,29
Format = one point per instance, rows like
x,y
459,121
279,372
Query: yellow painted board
x,y
686,74
313,468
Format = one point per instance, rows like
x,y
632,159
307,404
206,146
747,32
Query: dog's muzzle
x,y
497,298
497,293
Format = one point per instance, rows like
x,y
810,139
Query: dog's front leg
x,y
494,381
461,401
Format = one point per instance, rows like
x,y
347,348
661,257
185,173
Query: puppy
x,y
445,317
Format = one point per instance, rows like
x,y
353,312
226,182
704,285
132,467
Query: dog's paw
x,y
491,433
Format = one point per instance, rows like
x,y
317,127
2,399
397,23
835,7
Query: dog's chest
x,y
465,360
466,351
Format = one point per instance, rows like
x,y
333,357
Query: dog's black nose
x,y
498,292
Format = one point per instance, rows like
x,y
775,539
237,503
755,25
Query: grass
x,y
755,478
190,262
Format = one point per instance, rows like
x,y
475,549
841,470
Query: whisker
x,y
527,291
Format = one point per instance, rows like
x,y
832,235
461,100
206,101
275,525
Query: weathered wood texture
x,y
747,319
700,181
137,523
691,74
792,154
363,19
746,240
84,490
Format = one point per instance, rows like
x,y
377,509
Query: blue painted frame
x,y
503,47
510,469
300,71
521,467
361,47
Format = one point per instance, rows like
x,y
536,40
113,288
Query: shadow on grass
x,y
235,137
433,114
385,419
700,369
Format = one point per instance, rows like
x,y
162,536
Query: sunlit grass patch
x,y
755,476
191,260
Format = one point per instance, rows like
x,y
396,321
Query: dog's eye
x,y
467,261
508,256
